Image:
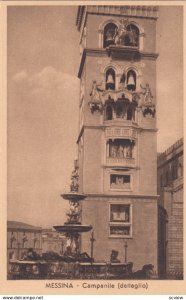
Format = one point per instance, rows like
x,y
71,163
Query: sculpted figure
x,y
124,31
147,93
74,180
74,213
121,32
96,100
120,152
95,93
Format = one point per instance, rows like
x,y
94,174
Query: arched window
x,y
110,79
109,34
129,113
120,110
108,113
131,80
132,38
11,255
12,240
180,169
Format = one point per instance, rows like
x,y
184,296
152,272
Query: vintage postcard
x,y
92,147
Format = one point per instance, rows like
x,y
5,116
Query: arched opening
x,y
180,169
131,80
11,255
129,113
119,110
110,79
132,38
12,240
122,81
109,34
108,113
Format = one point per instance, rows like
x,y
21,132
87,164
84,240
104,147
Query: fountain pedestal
x,y
72,228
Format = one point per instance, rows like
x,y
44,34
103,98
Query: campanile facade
x,y
117,153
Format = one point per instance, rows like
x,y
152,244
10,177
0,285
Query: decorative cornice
x,y
81,10
175,150
135,11
104,52
104,127
115,167
129,11
104,195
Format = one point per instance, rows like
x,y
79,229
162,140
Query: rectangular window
x,y
120,220
121,182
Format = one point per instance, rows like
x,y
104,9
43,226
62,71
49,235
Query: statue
x,y
95,93
76,243
147,272
123,32
129,152
120,152
96,102
31,255
74,213
147,93
148,108
72,245
113,151
119,180
122,82
114,257
75,179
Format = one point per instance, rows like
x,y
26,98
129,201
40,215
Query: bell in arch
x,y
110,82
131,85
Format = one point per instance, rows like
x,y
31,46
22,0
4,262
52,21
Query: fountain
x,y
72,264
52,265
72,228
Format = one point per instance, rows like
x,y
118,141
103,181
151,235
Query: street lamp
x,y
92,240
125,246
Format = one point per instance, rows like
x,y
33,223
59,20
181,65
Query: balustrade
x,y
125,162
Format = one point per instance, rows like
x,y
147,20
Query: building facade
x,y
170,189
20,238
117,153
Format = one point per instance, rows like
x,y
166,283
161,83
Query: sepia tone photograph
x,y
95,142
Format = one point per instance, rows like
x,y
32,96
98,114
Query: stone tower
x,y
117,153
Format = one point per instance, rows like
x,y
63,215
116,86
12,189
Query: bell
x,y
131,86
110,85
131,81
110,79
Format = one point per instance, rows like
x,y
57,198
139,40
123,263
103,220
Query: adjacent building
x,y
170,189
21,237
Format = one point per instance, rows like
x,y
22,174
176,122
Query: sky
x,y
43,97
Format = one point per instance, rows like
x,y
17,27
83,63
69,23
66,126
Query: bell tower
x,y
117,153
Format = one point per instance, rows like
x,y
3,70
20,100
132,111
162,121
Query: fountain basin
x,y
73,228
73,196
